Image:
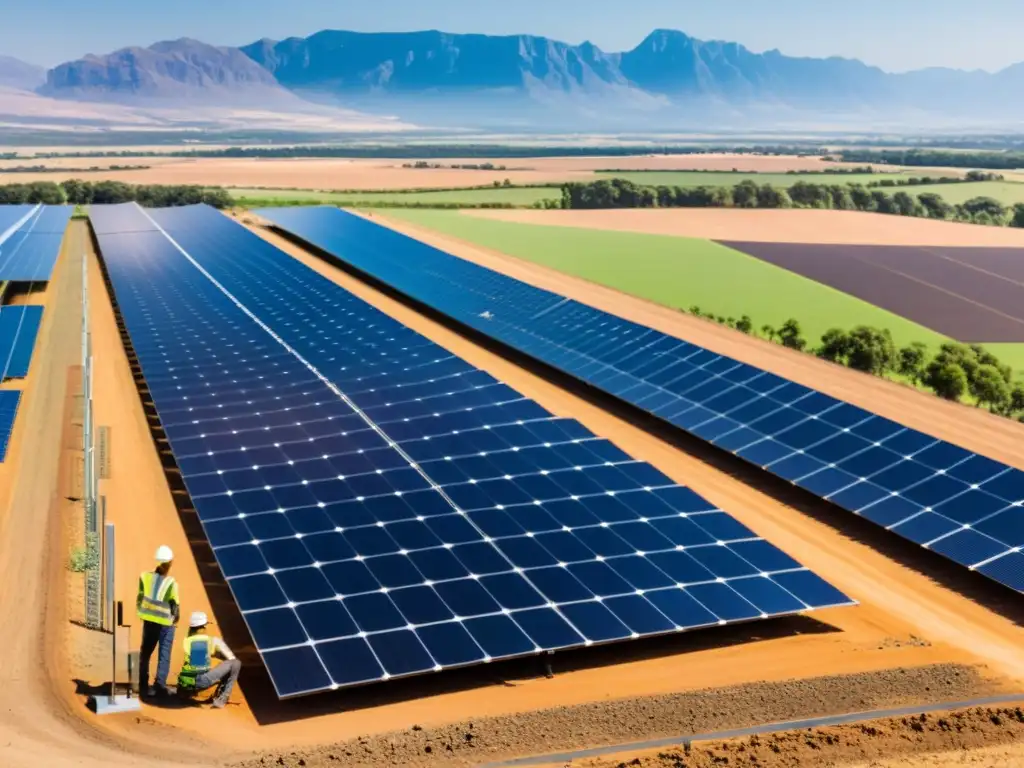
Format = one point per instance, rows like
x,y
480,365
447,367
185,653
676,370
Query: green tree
x,y
806,195
871,350
772,197
862,198
912,361
960,355
745,325
842,198
990,388
744,194
790,335
977,206
935,206
835,346
947,379
906,205
721,197
1016,403
78,192
1017,218
769,332
882,202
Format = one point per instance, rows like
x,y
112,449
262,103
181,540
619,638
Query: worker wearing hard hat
x,y
157,605
198,672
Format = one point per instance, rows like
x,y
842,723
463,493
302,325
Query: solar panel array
x,y
9,400
962,505
19,327
30,243
379,507
11,217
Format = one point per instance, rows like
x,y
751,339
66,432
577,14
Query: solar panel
x,y
965,506
19,327
29,252
9,400
381,508
12,216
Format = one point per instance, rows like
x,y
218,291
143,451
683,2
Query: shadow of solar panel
x,y
9,400
379,507
964,506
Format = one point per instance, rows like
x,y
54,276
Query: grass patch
x,y
680,272
516,196
1006,192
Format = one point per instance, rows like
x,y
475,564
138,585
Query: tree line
x,y
934,157
453,151
914,181
78,192
954,372
90,169
423,164
620,193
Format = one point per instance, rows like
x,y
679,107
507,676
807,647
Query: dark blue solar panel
x,y
19,327
29,246
379,507
922,488
11,217
9,400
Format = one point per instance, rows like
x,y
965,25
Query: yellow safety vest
x,y
155,595
198,651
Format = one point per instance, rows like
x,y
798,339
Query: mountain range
x,y
667,79
20,75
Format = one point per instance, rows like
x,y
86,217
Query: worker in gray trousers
x,y
197,672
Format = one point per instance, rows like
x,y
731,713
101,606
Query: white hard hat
x,y
164,554
197,619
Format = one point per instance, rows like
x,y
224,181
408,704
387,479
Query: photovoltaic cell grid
x,y
9,400
379,507
964,506
19,327
29,253
11,215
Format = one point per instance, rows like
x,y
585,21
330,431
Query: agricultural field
x,y
730,178
1006,192
681,272
520,196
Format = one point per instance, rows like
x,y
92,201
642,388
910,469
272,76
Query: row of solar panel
x,y
9,400
962,505
30,239
381,508
19,327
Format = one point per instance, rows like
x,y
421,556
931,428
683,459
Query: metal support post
x,y
114,702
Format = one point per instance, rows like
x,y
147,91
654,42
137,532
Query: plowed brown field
x,y
790,226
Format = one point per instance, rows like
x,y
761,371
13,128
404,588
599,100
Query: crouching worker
x,y
197,672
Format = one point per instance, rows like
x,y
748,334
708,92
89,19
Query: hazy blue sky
x,y
894,34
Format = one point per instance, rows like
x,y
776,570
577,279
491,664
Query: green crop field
x,y
523,196
681,272
1006,192
732,178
